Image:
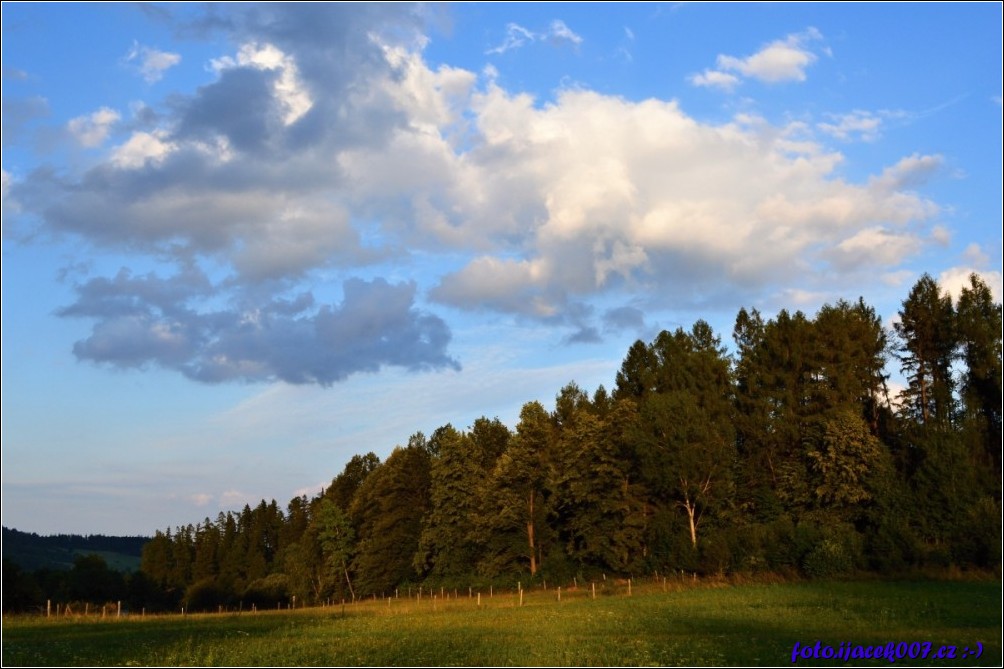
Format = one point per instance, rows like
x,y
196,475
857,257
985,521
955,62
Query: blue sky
x,y
242,243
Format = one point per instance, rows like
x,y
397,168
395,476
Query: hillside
x,y
31,551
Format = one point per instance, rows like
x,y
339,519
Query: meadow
x,y
682,624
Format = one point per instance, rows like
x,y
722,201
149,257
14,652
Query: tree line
x,y
788,455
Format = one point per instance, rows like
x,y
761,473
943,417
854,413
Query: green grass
x,y
723,625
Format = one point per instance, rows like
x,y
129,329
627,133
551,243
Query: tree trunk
x,y
529,532
691,509
349,581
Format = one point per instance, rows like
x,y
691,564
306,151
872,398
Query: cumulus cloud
x,y
324,142
148,320
151,63
715,79
92,130
140,148
954,279
780,61
288,89
656,198
874,247
910,172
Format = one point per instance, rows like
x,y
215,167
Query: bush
x,y
268,592
838,551
748,548
715,555
828,558
205,595
977,539
892,547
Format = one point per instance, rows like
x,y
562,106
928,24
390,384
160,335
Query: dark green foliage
x,y
21,591
205,595
388,509
980,330
344,486
92,581
598,508
448,545
513,525
337,540
846,464
683,433
927,343
268,592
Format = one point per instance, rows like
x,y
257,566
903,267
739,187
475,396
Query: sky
x,y
243,243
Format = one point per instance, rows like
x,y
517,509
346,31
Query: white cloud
x,y
515,37
92,130
151,63
140,148
777,62
875,247
557,33
654,197
909,172
715,79
954,279
860,124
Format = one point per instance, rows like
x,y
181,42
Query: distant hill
x,y
31,551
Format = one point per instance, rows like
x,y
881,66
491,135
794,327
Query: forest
x,y
787,455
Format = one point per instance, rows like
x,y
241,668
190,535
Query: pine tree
x,y
979,328
685,434
927,346
388,510
598,510
448,544
513,521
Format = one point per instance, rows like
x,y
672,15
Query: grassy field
x,y
704,625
